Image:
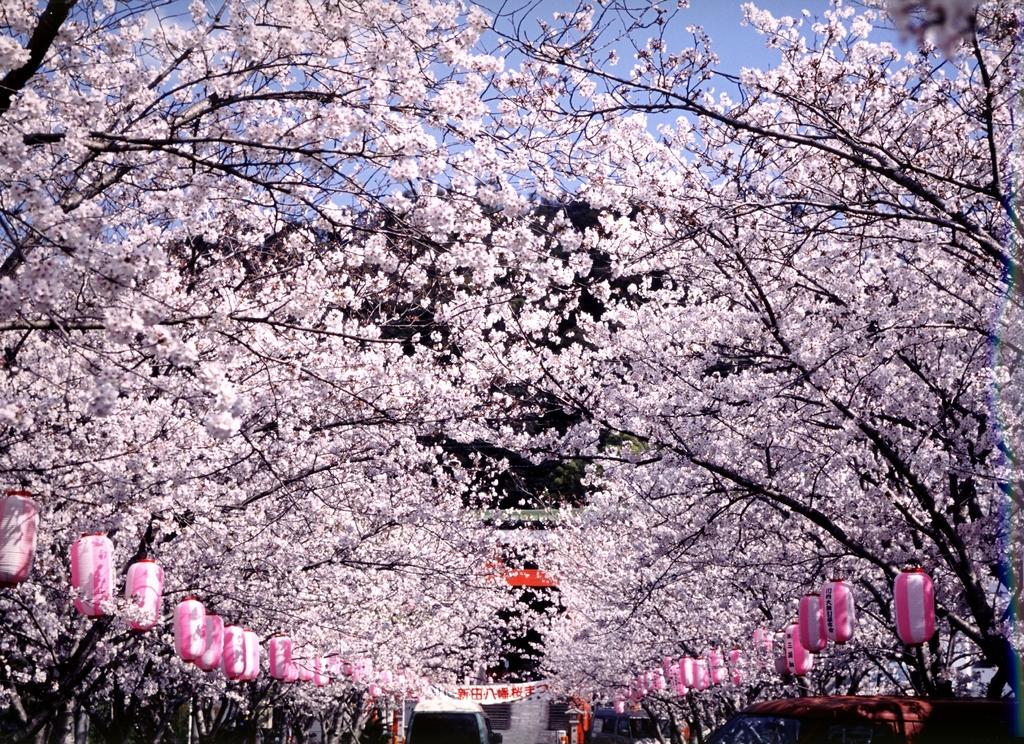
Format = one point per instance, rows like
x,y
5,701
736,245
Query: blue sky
x,y
737,45
741,46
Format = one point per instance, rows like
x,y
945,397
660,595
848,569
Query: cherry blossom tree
x,y
291,290
812,366
209,274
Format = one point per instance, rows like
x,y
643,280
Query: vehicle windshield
x,y
643,728
444,728
758,730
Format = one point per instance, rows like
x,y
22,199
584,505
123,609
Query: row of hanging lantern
x,y
200,637
828,616
681,676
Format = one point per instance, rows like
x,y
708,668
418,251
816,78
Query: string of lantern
x,y
203,639
200,637
828,616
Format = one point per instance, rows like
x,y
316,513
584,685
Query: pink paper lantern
x,y
688,669
92,573
812,624
838,611
914,597
619,705
213,643
735,662
291,672
702,674
305,670
716,666
763,645
233,658
668,668
798,659
280,654
320,678
189,628
19,524
145,584
678,678
251,655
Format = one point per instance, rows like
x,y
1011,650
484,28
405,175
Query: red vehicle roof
x,y
919,719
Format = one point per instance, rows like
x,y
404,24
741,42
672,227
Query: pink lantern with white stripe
x,y
233,658
838,611
678,678
213,643
291,672
320,678
92,573
688,669
145,584
305,670
812,624
280,653
798,659
914,597
702,674
19,524
716,666
251,668
189,628
735,662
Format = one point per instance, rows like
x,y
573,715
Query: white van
x,y
449,721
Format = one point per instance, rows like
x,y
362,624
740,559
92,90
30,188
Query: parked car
x,y
609,727
450,721
872,720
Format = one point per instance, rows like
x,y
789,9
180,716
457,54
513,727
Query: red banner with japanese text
x,y
503,693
